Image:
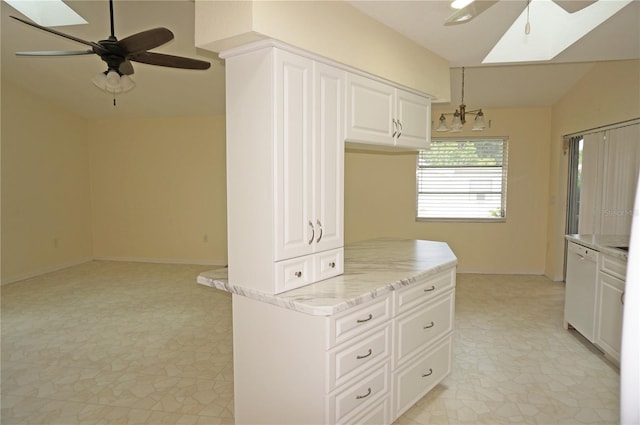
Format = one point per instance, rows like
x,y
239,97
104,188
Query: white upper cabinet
x,y
379,113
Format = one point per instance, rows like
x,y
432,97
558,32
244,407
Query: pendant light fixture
x,y
459,116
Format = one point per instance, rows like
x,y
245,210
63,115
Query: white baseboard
x,y
162,261
12,279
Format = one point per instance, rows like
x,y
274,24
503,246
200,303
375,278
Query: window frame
x,y
505,169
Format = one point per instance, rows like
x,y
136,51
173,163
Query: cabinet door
x,y
371,108
414,117
329,157
610,307
294,232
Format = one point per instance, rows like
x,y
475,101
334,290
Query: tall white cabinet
x,y
285,162
288,115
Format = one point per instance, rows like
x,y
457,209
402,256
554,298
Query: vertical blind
x,y
463,179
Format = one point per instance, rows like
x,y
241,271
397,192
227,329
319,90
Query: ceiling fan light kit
x,y
118,54
459,117
112,82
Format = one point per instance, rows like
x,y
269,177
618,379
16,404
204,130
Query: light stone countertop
x,y
606,244
371,269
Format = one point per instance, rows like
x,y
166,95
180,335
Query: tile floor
x,y
135,343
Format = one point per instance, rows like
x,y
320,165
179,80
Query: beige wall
x,y
333,29
609,93
380,199
159,189
45,186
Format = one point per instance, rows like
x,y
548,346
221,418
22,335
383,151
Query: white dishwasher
x,y
580,290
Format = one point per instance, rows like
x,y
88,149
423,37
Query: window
x,y
463,179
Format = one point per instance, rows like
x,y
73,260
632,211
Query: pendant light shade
x,y
478,122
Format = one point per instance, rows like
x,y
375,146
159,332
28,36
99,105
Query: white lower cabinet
x,y
365,365
610,305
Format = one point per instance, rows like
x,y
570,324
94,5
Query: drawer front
x,y
419,377
424,291
328,264
355,399
294,273
376,415
423,325
614,266
357,321
350,359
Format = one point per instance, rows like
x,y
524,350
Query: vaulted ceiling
x,y
167,92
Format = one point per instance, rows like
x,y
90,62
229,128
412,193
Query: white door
x,y
371,108
414,117
610,306
329,157
294,232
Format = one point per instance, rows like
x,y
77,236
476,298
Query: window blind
x,y
462,179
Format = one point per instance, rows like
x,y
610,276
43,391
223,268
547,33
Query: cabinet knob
x,y
332,265
298,274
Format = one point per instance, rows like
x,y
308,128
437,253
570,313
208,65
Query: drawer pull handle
x,y
365,356
433,288
622,298
430,325
365,320
358,397
424,375
298,274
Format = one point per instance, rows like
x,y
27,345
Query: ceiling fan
x,y
118,54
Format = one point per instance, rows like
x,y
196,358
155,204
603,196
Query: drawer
x,y
424,290
420,376
350,359
423,325
376,415
614,266
363,395
358,320
328,264
294,273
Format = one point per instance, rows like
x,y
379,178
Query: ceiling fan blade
x,y
170,61
145,40
56,53
126,68
61,34
469,12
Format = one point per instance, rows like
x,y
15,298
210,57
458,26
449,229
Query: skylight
x,y
48,13
552,30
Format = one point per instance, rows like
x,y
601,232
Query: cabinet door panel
x,y
610,308
371,109
329,156
294,231
414,115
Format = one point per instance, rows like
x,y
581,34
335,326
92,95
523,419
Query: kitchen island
x,y
361,347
